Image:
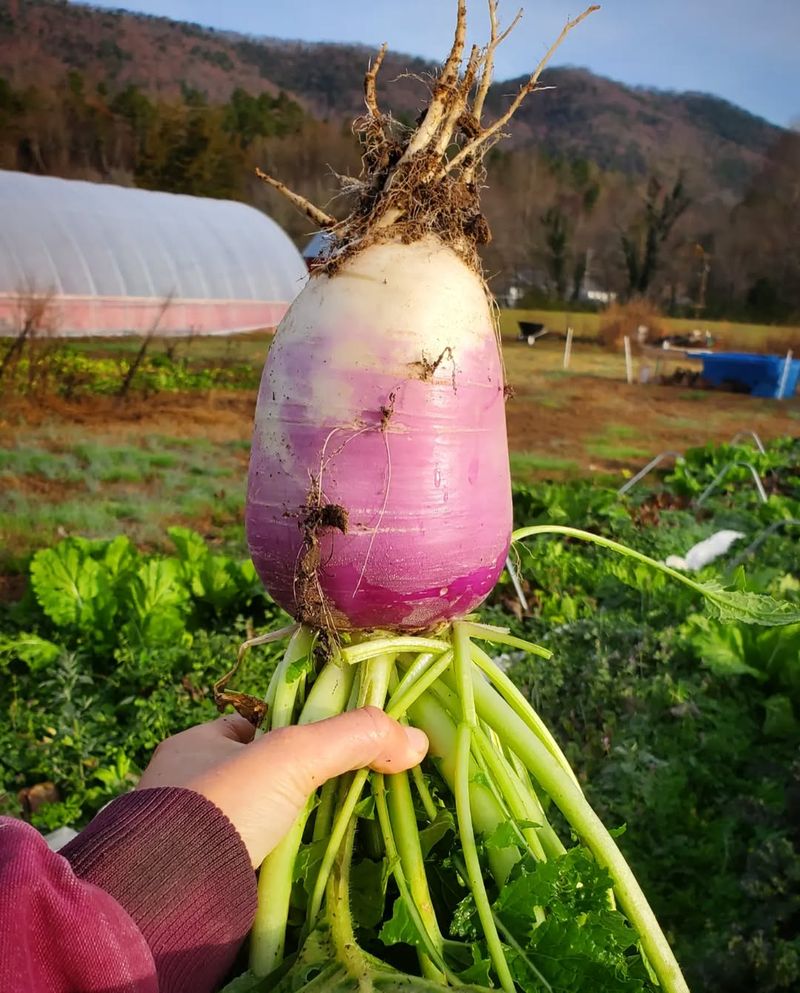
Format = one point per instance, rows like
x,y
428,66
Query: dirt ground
x,y
222,416
102,466
589,417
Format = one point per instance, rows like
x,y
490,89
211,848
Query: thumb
x,y
353,740
264,786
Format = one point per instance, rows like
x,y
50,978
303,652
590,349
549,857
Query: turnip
x,y
379,516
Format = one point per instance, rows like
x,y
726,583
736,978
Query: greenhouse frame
x,y
80,258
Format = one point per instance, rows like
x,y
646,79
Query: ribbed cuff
x,y
176,864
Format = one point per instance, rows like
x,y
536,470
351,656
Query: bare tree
x,y
642,245
133,368
36,318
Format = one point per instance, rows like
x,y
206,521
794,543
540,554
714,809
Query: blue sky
x,y
747,51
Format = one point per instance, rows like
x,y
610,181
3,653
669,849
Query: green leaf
x,y
67,582
400,929
35,652
215,581
430,836
368,892
721,648
507,834
246,983
190,546
306,861
120,558
299,668
779,719
158,600
751,608
464,922
365,808
479,973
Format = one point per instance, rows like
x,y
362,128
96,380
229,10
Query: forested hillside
x,y
595,175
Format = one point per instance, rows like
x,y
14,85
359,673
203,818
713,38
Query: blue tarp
x,y
760,375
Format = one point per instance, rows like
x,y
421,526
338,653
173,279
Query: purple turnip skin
x,y
349,406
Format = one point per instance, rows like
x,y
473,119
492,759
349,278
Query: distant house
x,y
526,278
106,260
595,293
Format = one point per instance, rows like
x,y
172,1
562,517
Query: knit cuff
x,y
176,864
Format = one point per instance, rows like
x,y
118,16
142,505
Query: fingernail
x,y
417,740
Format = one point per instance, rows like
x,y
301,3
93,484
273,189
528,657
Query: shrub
x,y
622,319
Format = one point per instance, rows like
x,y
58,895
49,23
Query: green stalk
x,y
432,949
341,921
405,643
422,662
285,697
329,694
571,802
429,715
407,693
518,803
516,700
596,539
327,698
372,692
406,835
751,608
462,664
500,636
424,793
324,815
472,862
551,842
268,934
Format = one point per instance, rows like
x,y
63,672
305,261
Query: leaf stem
x,y
471,860
584,821
406,835
396,866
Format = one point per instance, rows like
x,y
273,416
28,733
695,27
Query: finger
x,y
232,726
317,752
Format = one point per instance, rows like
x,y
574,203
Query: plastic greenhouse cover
x,y
76,238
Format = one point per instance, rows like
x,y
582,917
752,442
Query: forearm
x,y
154,896
180,870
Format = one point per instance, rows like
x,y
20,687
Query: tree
x,y
556,237
642,245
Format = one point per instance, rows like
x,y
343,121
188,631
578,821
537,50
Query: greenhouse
x,y
79,258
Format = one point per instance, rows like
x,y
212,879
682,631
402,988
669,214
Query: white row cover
x,y
82,239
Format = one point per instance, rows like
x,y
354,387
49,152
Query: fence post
x,y
568,348
787,365
628,360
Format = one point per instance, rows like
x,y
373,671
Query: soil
x,y
662,417
558,419
215,416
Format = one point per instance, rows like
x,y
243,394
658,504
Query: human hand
x,y
261,782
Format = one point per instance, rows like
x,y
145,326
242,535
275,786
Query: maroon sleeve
x,y
180,870
59,934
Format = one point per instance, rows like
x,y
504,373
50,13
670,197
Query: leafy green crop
x,y
680,725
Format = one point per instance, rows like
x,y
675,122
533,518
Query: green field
x,y
125,591
727,335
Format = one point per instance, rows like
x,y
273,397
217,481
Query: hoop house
x,y
89,259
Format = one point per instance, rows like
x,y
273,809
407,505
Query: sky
x,y
747,51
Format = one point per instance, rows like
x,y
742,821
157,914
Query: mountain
x,y
635,131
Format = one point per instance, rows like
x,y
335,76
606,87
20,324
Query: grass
x,y
611,451
96,488
525,464
613,444
727,334
107,473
